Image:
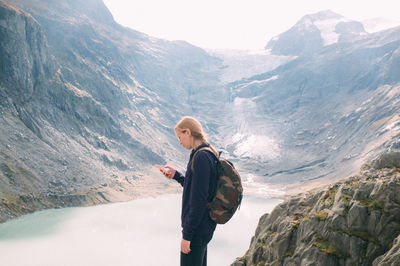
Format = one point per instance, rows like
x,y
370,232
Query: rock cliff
x,y
87,106
355,221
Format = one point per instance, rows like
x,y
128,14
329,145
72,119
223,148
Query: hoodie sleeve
x,y
179,178
199,194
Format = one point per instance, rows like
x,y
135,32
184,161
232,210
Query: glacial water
x,y
140,232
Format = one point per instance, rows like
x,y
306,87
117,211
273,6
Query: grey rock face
x,y
348,30
351,222
86,105
392,257
25,61
387,161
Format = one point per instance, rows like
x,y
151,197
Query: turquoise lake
x,y
139,232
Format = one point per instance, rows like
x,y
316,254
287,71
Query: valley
x,y
88,106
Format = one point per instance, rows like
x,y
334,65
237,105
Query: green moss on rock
x,y
261,263
289,253
328,248
372,205
329,197
346,199
321,215
360,234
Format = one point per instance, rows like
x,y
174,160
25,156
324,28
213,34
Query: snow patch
x,y
254,146
275,38
260,81
327,29
392,126
243,102
306,25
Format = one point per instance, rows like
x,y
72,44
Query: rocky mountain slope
x,y
87,106
320,115
355,221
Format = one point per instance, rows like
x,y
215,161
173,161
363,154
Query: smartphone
x,y
162,170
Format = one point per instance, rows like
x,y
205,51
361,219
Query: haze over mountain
x,y
378,24
88,106
325,112
315,31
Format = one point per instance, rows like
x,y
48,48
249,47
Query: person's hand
x,y
170,171
185,246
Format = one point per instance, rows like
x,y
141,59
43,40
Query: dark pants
x,y
198,251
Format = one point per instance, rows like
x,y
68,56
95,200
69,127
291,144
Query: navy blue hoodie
x,y
197,191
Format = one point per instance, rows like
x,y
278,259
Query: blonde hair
x,y
195,128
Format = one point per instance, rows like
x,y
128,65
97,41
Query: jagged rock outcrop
x,y
392,257
355,221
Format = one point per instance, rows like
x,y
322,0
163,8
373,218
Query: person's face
x,y
185,139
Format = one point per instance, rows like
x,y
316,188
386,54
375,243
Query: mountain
x,y
319,116
352,222
87,106
315,31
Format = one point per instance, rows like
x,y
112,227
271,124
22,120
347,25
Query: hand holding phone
x,y
163,171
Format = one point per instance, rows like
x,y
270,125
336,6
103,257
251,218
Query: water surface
x,y
140,232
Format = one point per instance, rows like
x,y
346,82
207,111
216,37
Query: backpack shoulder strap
x,y
202,149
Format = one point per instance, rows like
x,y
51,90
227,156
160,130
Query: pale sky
x,y
234,24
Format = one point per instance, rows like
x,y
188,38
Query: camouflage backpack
x,y
228,193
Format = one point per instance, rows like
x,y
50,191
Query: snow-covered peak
x,y
326,22
327,28
322,15
314,31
